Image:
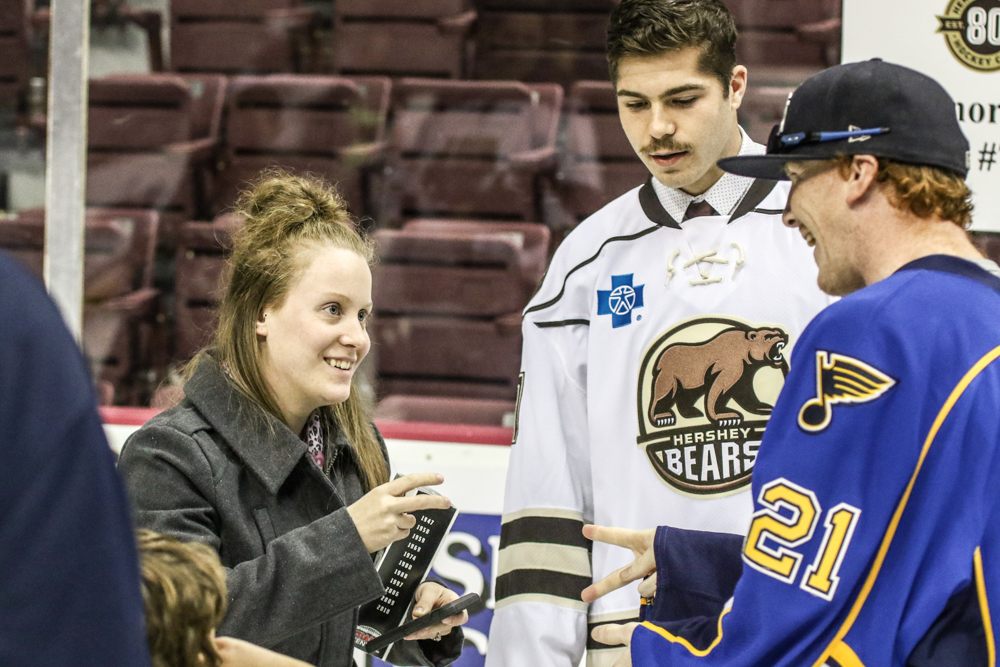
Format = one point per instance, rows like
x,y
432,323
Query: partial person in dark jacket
x,y
271,459
69,574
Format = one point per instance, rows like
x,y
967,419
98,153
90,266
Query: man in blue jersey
x,y
69,573
875,538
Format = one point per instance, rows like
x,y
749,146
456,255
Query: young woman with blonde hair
x,y
272,459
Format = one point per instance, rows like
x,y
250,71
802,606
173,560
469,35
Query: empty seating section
x,y
152,140
330,126
443,124
449,295
248,36
402,37
120,332
469,149
598,162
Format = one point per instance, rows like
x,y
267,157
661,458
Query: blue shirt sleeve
x,y
69,576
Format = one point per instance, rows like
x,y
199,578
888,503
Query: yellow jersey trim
x,y
685,643
956,393
984,606
845,656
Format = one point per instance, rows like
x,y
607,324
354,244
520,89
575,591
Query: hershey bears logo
x,y
706,389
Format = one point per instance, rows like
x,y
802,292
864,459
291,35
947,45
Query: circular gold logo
x,y
971,29
706,389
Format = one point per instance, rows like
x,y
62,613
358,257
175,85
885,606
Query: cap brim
x,y
771,167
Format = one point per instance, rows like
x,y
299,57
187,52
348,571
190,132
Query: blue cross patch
x,y
620,300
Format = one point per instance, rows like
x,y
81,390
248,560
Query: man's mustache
x,y
664,146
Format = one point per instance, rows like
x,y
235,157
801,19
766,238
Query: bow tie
x,y
697,209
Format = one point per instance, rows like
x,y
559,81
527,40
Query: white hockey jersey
x,y
652,355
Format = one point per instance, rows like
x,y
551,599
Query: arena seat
x,y
201,258
470,149
152,140
330,126
402,37
598,163
244,37
15,60
121,332
449,295
527,40
787,33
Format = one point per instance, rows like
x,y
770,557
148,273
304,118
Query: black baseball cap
x,y
867,108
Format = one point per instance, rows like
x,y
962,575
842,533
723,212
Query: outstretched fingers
x,y
620,537
406,483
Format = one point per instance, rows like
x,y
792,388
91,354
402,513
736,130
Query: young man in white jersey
x,y
653,350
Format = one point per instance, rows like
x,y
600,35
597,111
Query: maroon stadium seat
x,y
402,37
599,163
470,149
201,258
527,40
331,126
152,140
448,297
240,37
15,61
787,33
120,330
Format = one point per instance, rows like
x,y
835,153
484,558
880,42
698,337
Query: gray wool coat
x,y
217,470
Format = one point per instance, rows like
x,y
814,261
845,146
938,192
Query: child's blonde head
x,y
184,593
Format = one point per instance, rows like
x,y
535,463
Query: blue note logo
x,y
620,300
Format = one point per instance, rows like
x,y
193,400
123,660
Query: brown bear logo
x,y
721,369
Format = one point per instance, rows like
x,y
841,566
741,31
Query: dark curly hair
x,y
654,27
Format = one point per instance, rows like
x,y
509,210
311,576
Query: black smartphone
x,y
425,621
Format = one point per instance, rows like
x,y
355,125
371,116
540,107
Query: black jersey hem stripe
x,y
593,644
757,193
561,323
546,530
562,290
541,582
890,532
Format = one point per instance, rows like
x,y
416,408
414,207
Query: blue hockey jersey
x,y
876,532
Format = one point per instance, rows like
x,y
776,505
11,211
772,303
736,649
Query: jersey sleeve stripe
x,y
859,603
674,639
541,556
562,290
984,607
544,582
565,603
593,644
549,530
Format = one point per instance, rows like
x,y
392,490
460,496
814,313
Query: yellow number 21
x,y
788,520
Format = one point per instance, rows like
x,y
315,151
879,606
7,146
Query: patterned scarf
x,y
314,438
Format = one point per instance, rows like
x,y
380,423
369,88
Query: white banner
x,y
958,43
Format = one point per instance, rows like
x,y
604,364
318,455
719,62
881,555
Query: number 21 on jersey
x,y
787,521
